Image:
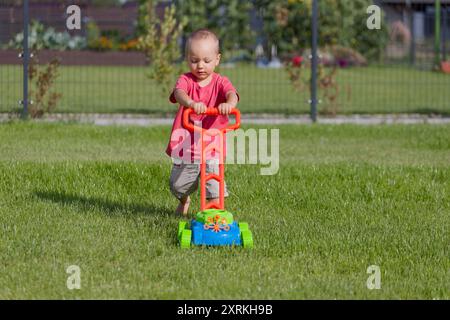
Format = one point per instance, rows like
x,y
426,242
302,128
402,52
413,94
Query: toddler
x,y
199,89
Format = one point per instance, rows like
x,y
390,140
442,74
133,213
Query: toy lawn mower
x,y
213,225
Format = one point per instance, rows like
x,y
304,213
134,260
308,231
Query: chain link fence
x,y
102,72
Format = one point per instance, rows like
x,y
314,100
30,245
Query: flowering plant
x,y
326,81
295,71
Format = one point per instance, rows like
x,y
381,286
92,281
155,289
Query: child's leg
x,y
183,181
183,207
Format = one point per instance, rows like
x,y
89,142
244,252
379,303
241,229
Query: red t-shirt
x,y
181,144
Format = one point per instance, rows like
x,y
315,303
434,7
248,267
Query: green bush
x,y
93,35
288,25
230,20
159,42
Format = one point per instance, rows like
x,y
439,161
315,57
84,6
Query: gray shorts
x,y
184,180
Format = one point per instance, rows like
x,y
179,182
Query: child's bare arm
x,y
182,98
232,100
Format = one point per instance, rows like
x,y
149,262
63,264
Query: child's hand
x,y
225,108
199,107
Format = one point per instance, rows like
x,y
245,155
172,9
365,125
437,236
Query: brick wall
x,y
53,14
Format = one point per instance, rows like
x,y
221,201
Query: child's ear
x,y
218,59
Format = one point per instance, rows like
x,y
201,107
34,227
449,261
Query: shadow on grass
x,y
110,208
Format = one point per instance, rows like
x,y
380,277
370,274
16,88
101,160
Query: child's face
x,y
203,58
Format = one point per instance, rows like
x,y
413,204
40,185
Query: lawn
x,y
345,197
127,90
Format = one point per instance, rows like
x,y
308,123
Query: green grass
x,y
127,90
345,197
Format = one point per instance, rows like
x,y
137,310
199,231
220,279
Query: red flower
x,y
297,61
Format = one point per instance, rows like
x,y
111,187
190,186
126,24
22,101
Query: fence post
x,y
412,49
25,57
437,34
444,33
314,60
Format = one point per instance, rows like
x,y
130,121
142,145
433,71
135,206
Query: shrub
x,y
326,81
129,45
344,56
287,24
160,44
229,19
40,37
93,35
42,79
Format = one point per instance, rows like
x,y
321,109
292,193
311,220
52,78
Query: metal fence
x,y
403,81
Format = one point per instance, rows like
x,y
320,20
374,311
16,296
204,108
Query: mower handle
x,y
210,112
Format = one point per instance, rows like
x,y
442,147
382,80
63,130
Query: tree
x,y
288,25
230,20
159,42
